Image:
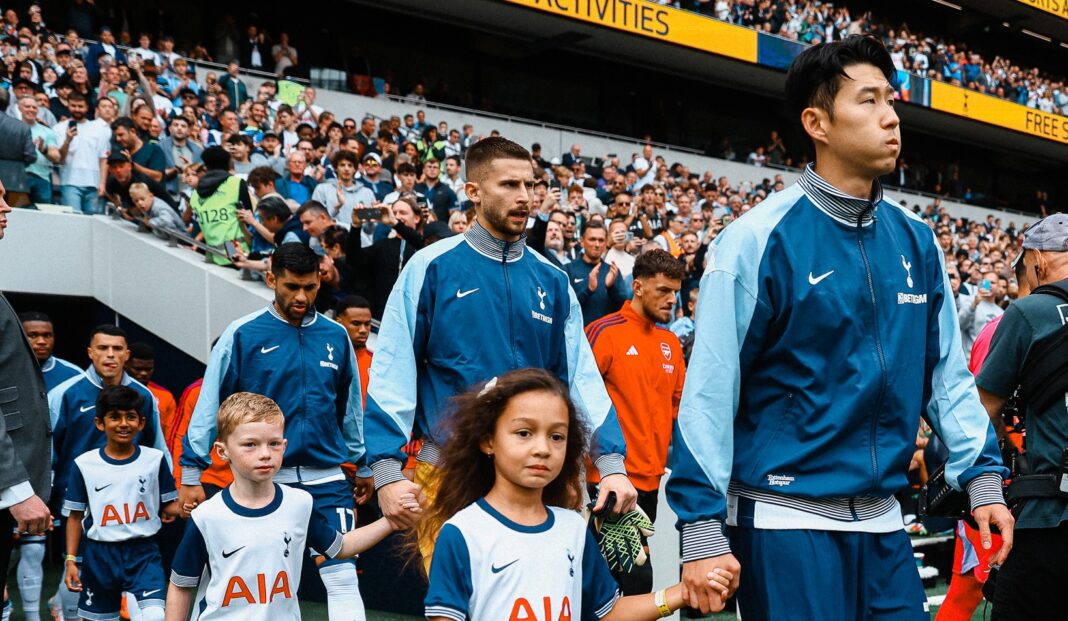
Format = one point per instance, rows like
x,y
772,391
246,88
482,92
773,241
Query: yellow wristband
x,y
660,599
70,557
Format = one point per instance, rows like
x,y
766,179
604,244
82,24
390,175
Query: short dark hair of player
x,y
594,225
118,398
275,208
142,351
109,330
488,150
467,473
816,75
313,207
295,258
351,301
657,261
33,315
345,156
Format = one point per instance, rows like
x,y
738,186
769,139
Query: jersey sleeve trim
x,y
442,611
186,582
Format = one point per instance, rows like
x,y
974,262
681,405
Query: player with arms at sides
x,y
118,495
252,535
509,538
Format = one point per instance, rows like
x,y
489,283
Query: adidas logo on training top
x,y
633,351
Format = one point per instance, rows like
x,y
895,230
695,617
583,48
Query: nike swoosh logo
x,y
103,487
147,593
498,570
578,280
87,408
815,280
232,552
464,294
267,350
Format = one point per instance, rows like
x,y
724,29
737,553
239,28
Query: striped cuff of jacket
x,y
986,489
704,540
612,463
445,611
187,582
387,471
191,475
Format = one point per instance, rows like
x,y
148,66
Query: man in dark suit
x,y
25,443
256,50
16,152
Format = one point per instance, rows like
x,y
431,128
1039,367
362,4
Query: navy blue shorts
x,y
827,575
108,569
334,502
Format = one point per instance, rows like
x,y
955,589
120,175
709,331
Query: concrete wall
x,y
556,141
170,291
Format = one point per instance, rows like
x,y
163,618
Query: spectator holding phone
x,y
375,268
982,309
340,196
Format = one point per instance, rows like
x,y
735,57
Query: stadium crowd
x,y
927,54
227,162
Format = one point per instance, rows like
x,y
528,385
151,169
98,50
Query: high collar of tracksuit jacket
x,y
487,245
836,203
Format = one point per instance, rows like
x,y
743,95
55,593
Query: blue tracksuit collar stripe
x,y
836,203
487,245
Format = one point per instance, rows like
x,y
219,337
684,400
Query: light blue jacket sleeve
x,y
590,395
202,431
392,393
703,442
954,410
352,414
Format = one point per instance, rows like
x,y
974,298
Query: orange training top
x,y
218,473
643,371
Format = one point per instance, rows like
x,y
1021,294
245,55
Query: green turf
x,y
315,611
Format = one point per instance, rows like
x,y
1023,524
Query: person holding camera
x,y
1030,350
981,309
377,266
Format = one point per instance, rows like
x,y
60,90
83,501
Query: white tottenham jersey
x,y
252,557
487,567
121,498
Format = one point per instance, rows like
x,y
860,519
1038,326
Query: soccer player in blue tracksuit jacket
x,y
305,363
825,327
472,307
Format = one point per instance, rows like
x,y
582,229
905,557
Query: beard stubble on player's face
x,y
503,198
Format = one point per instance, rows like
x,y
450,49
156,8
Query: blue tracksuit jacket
x,y
72,406
310,371
467,309
819,345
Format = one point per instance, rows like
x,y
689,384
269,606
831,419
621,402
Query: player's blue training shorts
x,y
108,569
827,575
334,502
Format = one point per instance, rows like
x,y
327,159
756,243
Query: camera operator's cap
x,y
1049,234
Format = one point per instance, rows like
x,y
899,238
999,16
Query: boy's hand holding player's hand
x,y
72,579
170,512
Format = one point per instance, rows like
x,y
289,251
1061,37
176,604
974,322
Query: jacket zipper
x,y
303,375
508,296
878,348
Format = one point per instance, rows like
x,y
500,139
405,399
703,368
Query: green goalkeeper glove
x,y
620,539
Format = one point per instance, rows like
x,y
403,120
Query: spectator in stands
x,y
46,147
619,239
354,313
147,158
374,178
17,151
344,193
233,86
40,332
757,157
179,151
240,148
454,177
643,370
280,225
314,220
152,211
598,286
375,268
297,185
980,309
121,175
440,197
256,50
285,56
218,197
83,158
670,239
141,365
405,177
